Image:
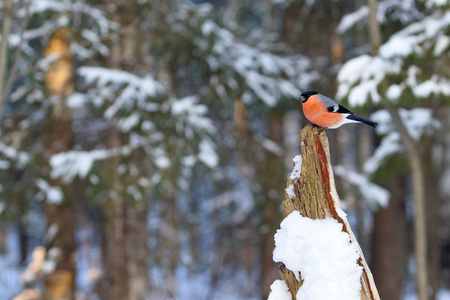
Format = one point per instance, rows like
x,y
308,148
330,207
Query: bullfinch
x,y
325,112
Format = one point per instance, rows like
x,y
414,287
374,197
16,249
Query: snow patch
x,y
324,256
290,191
53,194
349,20
69,164
373,193
394,92
418,121
297,171
279,291
207,154
270,145
369,72
194,112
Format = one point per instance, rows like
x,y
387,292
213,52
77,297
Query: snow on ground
x,y
190,285
441,295
9,275
322,253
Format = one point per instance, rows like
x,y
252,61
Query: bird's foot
x,y
321,130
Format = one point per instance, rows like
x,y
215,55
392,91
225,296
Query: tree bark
x,y
60,284
316,198
116,258
418,182
270,176
374,27
418,186
390,242
137,249
6,27
126,221
434,208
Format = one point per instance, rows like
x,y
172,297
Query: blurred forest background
x,y
145,144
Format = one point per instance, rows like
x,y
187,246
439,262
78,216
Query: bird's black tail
x,y
356,118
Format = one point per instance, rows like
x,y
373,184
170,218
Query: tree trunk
x,y
171,243
418,181
390,242
434,220
60,284
6,27
116,259
271,180
316,198
418,186
126,221
137,251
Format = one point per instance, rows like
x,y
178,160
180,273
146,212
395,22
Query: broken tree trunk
x,y
316,198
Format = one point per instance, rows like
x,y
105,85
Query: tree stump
x,y
316,198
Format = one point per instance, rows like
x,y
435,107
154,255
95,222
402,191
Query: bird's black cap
x,y
304,96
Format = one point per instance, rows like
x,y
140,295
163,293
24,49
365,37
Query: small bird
x,y
325,112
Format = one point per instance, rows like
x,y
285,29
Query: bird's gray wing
x,y
333,106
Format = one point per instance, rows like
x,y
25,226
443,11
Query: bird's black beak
x,y
302,98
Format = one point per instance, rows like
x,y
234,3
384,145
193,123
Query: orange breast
x,y
316,112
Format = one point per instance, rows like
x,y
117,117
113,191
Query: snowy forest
x,y
145,145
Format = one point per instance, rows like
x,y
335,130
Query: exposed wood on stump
x,y
316,198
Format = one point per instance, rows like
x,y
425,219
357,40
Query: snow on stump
x,y
320,257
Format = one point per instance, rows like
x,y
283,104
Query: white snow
x,y
290,191
4,164
360,77
370,71
67,165
129,122
207,154
438,3
349,20
194,113
188,104
279,291
433,86
388,146
75,100
418,121
297,171
49,265
442,44
20,157
240,198
324,256
403,11
399,46
410,40
374,194
394,92
160,158
53,194
443,294
270,145
268,76
109,82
